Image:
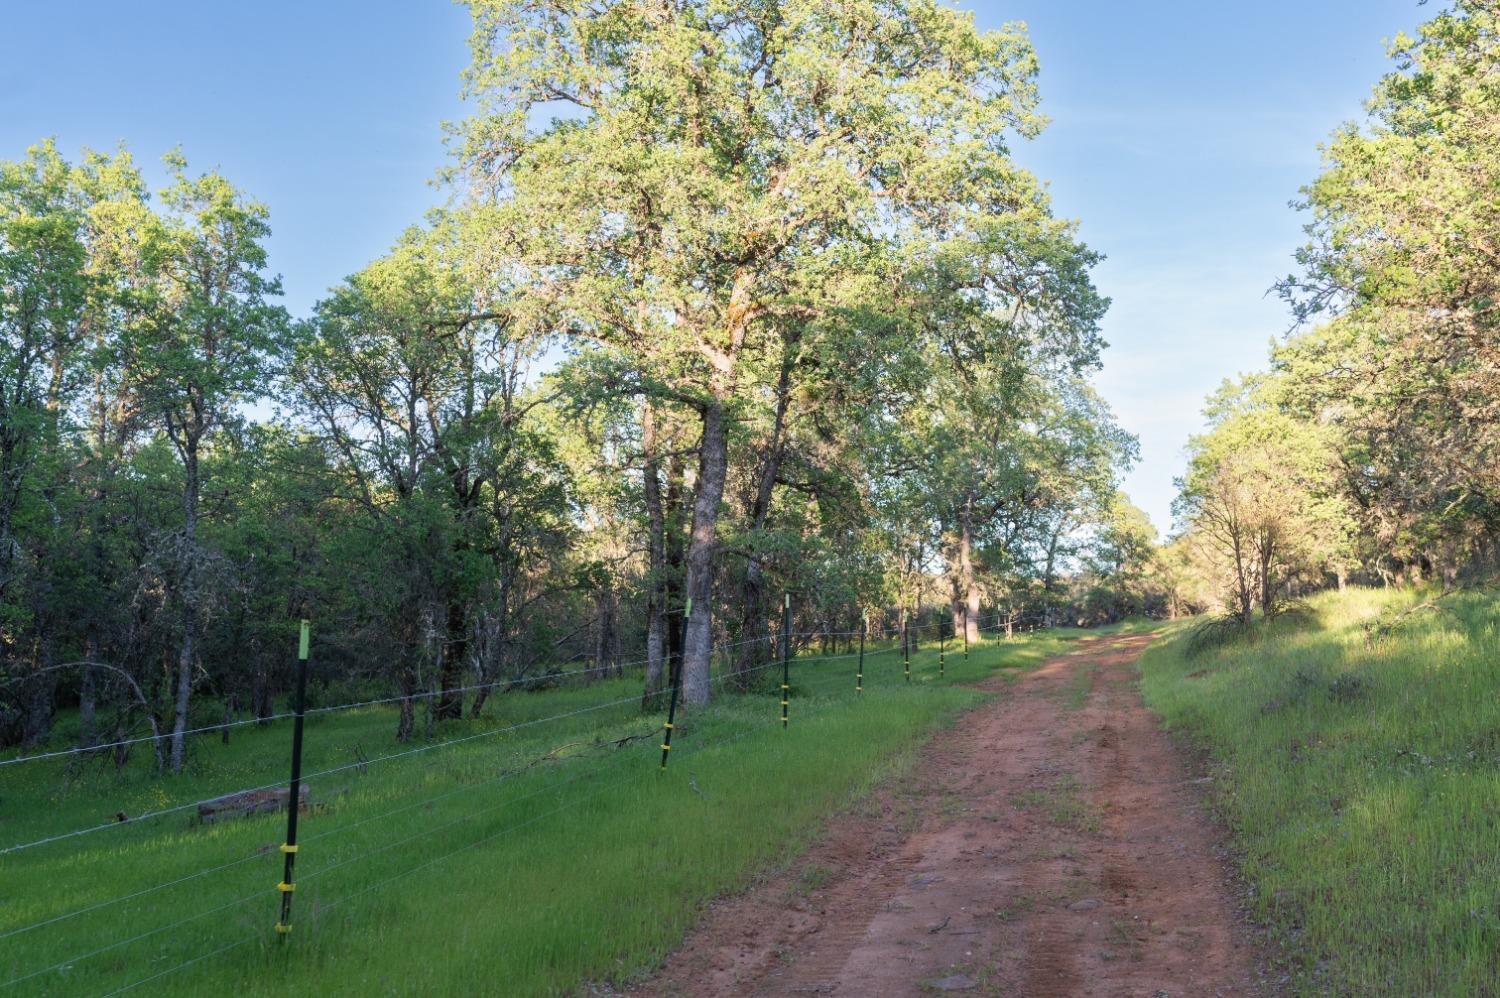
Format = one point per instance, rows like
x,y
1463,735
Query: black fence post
x,y
786,657
676,681
906,648
289,847
942,650
966,634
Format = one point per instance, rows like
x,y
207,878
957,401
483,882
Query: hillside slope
x,y
1355,752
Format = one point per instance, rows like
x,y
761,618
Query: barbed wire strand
x,y
327,772
419,750
270,891
221,726
432,860
246,859
509,684
810,660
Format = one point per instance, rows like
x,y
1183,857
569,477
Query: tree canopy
x,y
729,300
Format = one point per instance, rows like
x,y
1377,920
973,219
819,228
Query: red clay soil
x,y
1051,843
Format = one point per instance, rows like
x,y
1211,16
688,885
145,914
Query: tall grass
x,y
526,862
1359,772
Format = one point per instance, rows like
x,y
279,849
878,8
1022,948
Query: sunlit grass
x,y
1361,779
460,870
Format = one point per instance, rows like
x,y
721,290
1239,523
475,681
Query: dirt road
x,y
1049,844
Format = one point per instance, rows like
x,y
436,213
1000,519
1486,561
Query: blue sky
x,y
1180,130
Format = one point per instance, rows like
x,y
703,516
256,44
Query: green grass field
x,y
465,868
1361,781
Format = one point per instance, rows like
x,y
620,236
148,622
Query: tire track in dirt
x,y
1049,844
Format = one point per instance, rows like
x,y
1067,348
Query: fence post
x,y
966,634
906,648
786,657
942,650
289,847
676,681
859,670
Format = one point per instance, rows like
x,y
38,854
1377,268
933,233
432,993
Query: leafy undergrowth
x,y
519,861
1356,757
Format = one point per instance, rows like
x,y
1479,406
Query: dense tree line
x,y
728,300
1368,450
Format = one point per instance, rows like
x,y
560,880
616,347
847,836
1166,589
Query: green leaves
x,y
1402,254
202,335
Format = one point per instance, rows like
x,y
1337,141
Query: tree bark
x,y
262,700
450,702
88,725
406,722
697,643
40,699
1267,590
966,610
497,649
676,568
1242,581
656,543
606,637
1265,550
754,652
189,650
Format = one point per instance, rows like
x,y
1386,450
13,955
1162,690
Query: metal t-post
x,y
289,847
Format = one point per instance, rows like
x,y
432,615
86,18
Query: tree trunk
x,y
966,614
676,571
1242,583
605,633
753,651
40,702
697,644
189,651
406,723
455,652
12,469
262,702
88,724
1266,551
656,524
496,651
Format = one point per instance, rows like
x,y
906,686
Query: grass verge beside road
x,y
1355,751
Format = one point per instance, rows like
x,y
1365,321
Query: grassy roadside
x,y
470,868
1360,778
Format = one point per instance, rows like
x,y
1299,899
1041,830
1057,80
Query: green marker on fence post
x,y
859,673
786,658
289,847
676,681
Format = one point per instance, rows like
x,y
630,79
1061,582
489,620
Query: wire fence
x,y
605,762
419,696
